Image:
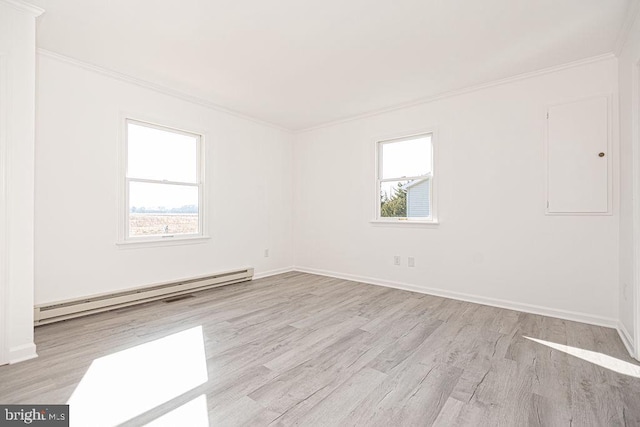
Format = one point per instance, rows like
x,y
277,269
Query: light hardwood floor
x,y
299,349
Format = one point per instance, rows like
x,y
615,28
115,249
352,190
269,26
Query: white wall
x,y
17,112
629,79
248,183
494,243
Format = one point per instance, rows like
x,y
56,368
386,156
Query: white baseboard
x,y
22,352
625,336
494,302
263,274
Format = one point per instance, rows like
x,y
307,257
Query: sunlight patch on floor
x,y
125,384
608,362
193,414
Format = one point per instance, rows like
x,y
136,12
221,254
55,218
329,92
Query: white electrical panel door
x,y
578,157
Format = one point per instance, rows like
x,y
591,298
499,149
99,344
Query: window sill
x,y
167,241
404,223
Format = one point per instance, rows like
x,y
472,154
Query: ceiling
x,y
299,64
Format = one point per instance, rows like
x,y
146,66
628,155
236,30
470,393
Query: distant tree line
x,y
162,209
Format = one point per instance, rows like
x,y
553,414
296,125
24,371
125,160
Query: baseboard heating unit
x,y
62,310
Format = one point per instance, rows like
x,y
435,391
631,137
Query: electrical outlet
x,y
411,261
266,253
396,260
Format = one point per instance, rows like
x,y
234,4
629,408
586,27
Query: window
x,y
163,183
405,179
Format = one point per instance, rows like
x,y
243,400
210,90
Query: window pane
x,y
157,209
161,154
405,199
411,157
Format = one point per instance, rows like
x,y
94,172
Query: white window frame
x,y
432,176
124,210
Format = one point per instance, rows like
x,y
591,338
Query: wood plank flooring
x,y
300,349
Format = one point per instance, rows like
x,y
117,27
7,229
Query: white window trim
x,y
123,239
433,221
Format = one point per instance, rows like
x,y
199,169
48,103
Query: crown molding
x,y
465,91
24,7
211,105
154,87
630,17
